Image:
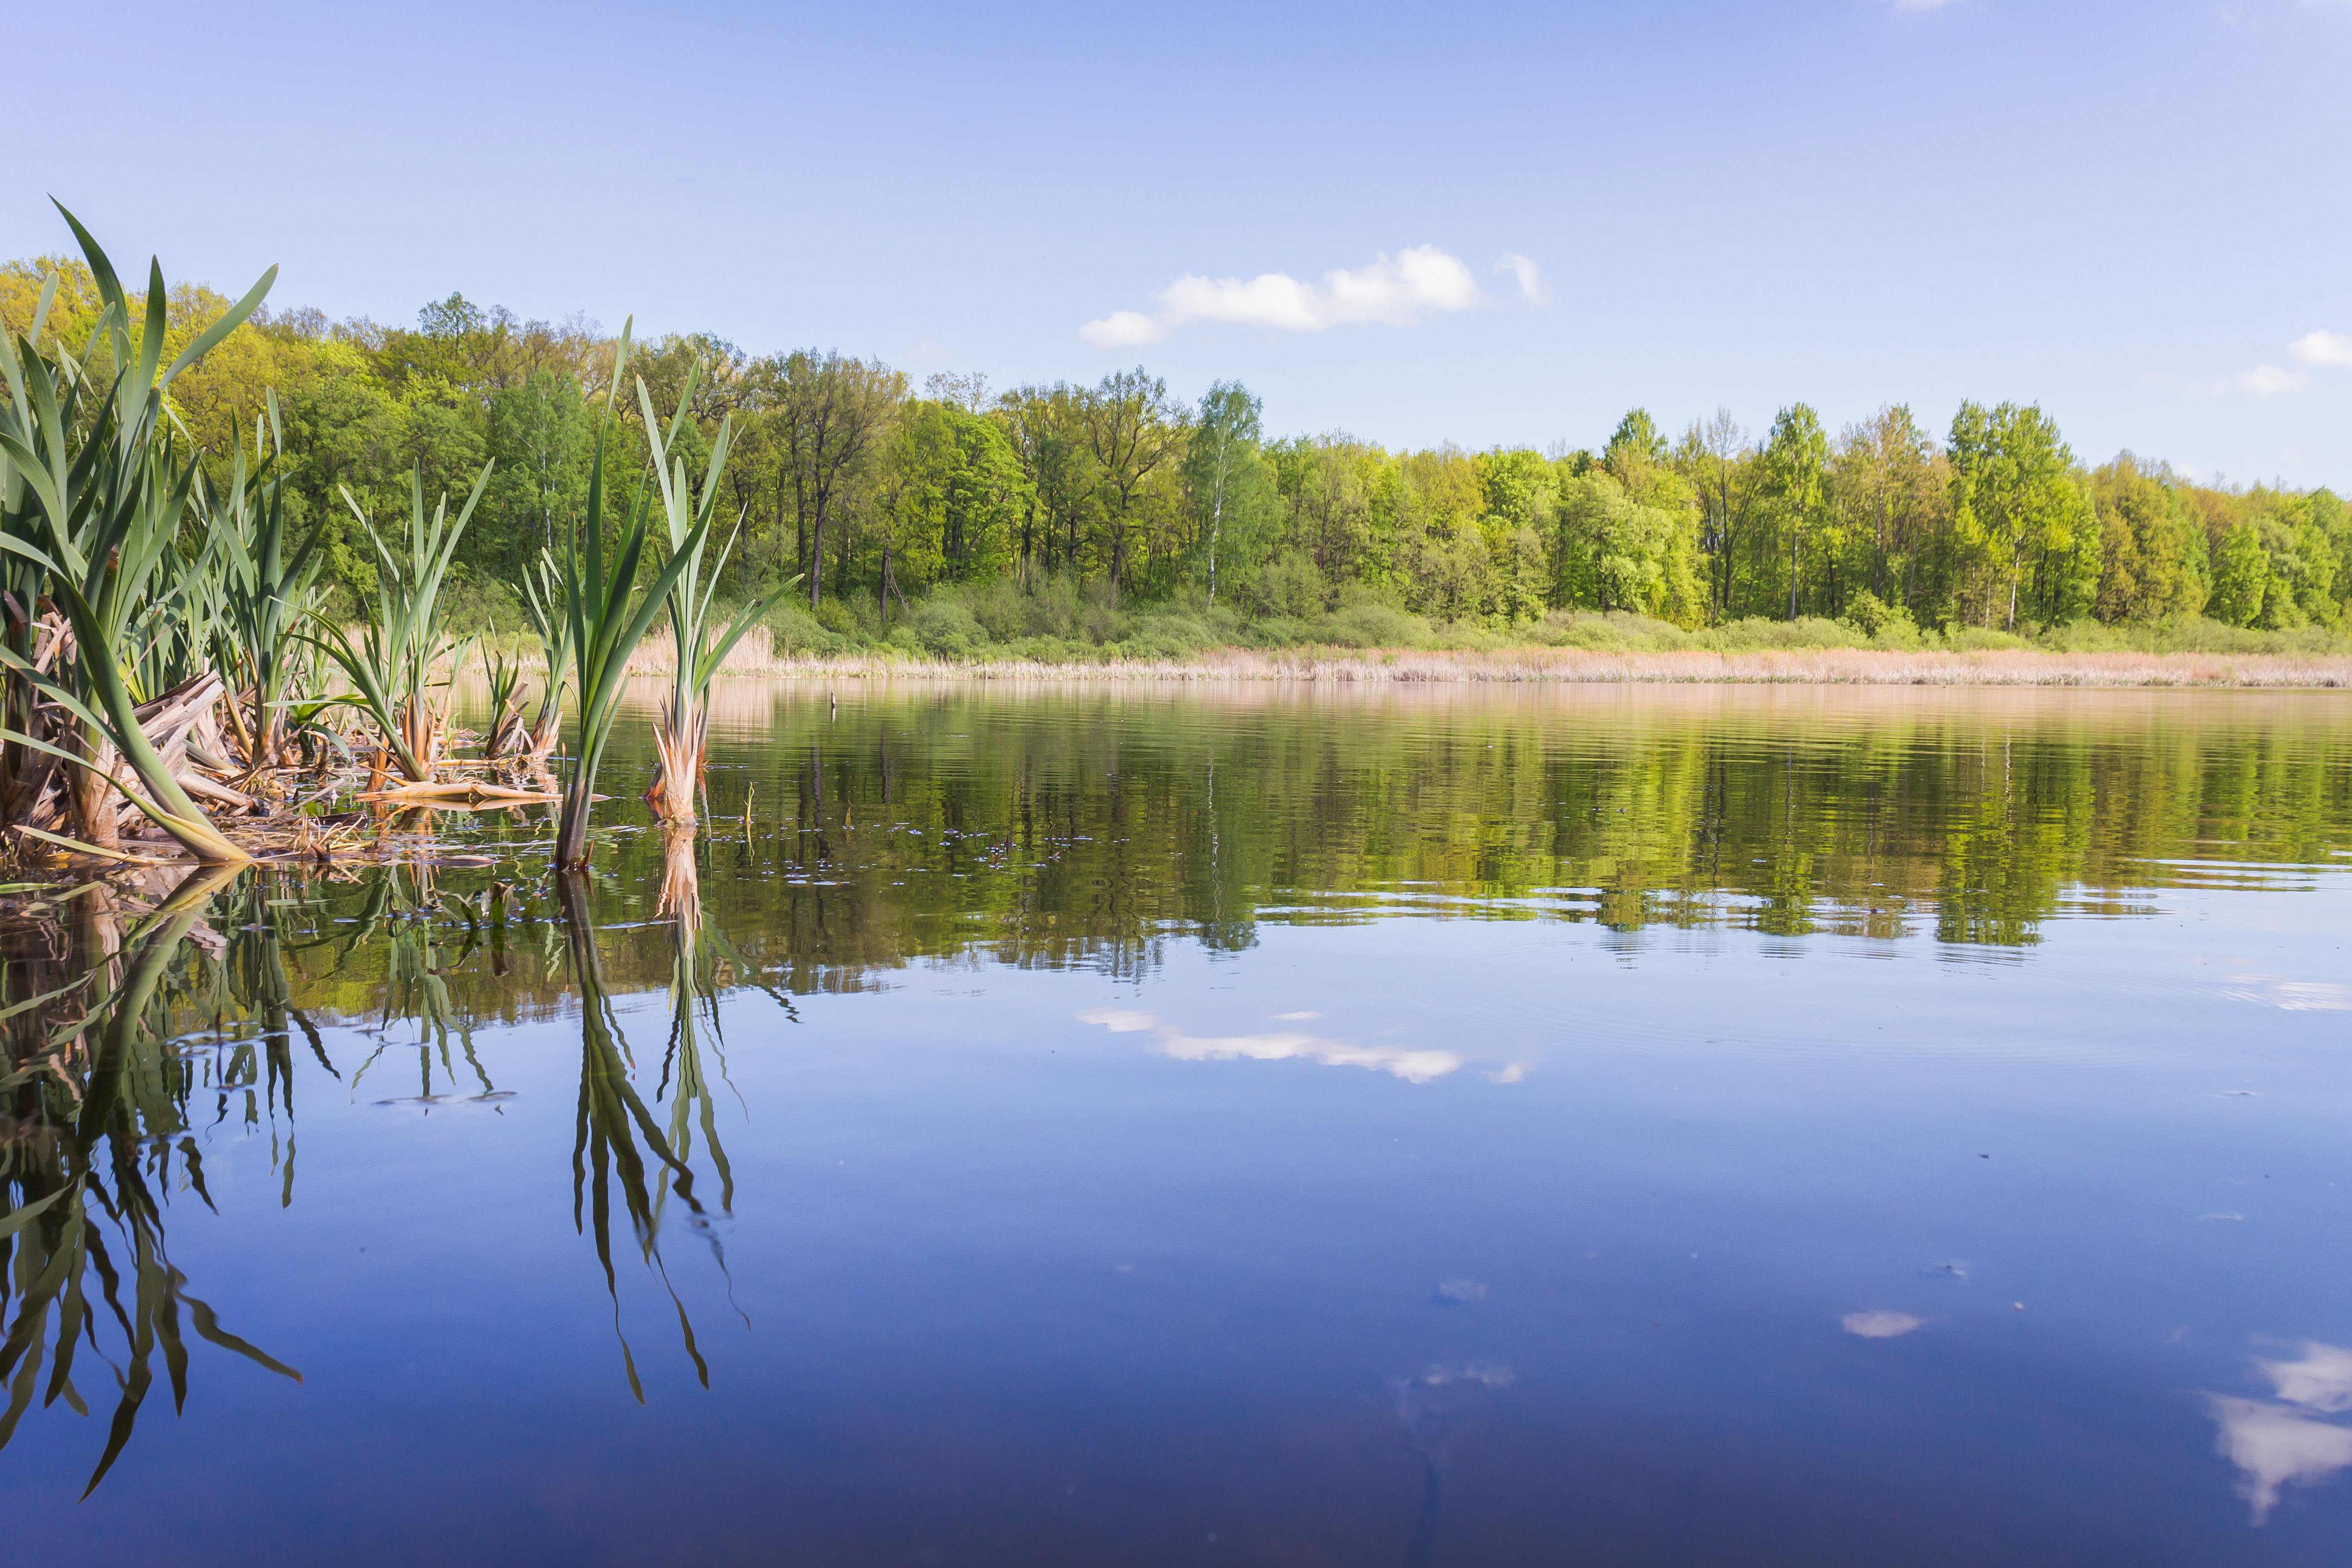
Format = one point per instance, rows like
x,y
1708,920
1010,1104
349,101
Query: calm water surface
x,y
1269,1126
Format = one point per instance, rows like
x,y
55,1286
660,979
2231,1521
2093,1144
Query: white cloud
x,y
2323,348
1120,328
2316,350
1118,1020
1533,290
1412,1066
1400,1061
1411,287
2266,381
2287,996
1879,1325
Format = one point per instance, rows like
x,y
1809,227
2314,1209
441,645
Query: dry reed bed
x,y
755,655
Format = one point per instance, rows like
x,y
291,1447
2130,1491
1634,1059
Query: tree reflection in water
x,y
1086,829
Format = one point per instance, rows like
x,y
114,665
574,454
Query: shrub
x,y
1617,631
1371,623
1166,634
473,601
1869,614
1981,639
1046,606
1292,587
836,617
793,630
1756,635
942,627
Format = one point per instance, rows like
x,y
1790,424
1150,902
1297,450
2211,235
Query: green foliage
x,y
2242,576
2029,530
266,590
1231,491
1879,621
607,613
879,498
92,497
407,635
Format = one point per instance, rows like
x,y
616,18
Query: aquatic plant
x,y
681,736
543,600
608,614
92,495
507,734
268,586
697,950
613,1119
401,903
391,667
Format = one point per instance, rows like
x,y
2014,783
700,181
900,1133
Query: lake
x,y
1268,1125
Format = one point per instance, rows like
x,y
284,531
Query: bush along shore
x,y
942,638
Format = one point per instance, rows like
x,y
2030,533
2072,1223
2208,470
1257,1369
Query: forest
x,y
1118,518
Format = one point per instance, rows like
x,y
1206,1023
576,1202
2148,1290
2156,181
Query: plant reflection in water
x,y
129,1003
97,1101
613,1118
401,909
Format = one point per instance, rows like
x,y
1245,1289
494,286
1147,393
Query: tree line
x,y
878,492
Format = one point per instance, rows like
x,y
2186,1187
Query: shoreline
x,y
1832,667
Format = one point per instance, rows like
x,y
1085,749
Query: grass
x,y
2023,664
999,631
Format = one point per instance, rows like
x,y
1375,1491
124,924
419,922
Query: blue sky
x,y
2135,215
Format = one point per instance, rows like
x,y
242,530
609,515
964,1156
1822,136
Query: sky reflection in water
x,y
1264,1126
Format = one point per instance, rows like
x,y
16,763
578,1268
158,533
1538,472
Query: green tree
x,y
1325,484
1884,477
2242,577
1044,428
1796,485
1722,471
1130,432
833,413
1222,451
2152,552
538,436
2016,481
1636,440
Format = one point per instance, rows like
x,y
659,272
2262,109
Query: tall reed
x,y
92,494
268,583
390,667
607,613
542,597
681,737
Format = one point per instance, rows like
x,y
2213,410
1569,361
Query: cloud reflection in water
x,y
2275,1443
1403,1061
